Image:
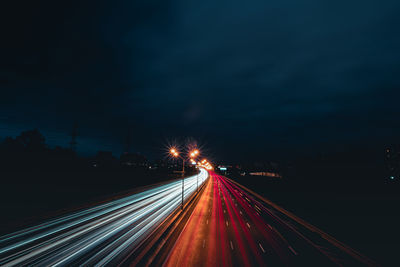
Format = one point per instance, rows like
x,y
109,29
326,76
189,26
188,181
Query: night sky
x,y
248,79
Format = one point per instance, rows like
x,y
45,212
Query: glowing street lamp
x,y
193,154
173,151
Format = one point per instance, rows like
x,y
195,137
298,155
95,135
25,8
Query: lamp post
x,y
193,155
175,154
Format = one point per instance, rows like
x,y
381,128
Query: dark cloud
x,y
245,77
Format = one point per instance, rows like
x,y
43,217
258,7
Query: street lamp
x,y
175,154
193,154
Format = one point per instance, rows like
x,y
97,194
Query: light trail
x,y
236,230
99,235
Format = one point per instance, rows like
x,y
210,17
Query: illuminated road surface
x,y
101,235
230,227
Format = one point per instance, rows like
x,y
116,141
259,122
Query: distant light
x,y
392,177
222,168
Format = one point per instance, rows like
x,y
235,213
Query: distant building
x,y
267,174
266,169
224,168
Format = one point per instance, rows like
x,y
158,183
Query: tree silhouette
x,y
31,140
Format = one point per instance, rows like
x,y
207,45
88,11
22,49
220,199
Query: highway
x,y
98,236
231,227
225,224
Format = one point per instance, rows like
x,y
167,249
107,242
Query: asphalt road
x,y
225,224
232,227
101,235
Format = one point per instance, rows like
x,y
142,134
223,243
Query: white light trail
x,y
105,231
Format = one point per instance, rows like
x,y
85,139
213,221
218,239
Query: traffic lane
x,y
222,224
262,245
224,235
113,251
190,245
58,225
74,243
116,224
243,247
261,229
305,250
204,241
